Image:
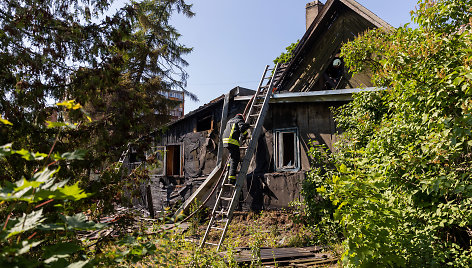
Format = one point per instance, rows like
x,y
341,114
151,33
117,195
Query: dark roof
x,y
236,91
325,16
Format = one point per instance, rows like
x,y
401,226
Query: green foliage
x,y
115,63
443,16
287,55
35,233
167,248
197,219
255,245
34,236
318,210
400,176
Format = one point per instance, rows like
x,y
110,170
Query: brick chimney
x,y
312,11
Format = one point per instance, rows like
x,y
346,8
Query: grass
x,y
172,248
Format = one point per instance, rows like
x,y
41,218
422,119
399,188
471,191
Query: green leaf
x,y
24,223
29,156
4,121
70,104
5,150
458,80
56,257
27,246
72,192
75,155
60,250
343,168
80,222
45,175
51,124
25,154
51,226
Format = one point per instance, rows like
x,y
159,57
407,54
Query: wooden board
x,y
278,254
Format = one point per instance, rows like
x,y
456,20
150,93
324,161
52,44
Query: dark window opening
x,y
173,160
286,150
288,158
206,123
334,74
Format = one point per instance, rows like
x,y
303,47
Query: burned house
x,y
300,112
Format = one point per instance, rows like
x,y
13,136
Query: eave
x,y
315,96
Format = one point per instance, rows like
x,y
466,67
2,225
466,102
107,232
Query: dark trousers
x,y
234,158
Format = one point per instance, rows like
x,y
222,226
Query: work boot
x,y
232,180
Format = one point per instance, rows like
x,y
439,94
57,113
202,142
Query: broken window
x,y
334,74
205,123
173,160
286,151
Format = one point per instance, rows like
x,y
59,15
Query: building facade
x,y
309,87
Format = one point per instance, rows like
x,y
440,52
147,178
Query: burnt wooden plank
x,y
313,263
302,262
278,253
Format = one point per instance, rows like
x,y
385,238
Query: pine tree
x,y
115,65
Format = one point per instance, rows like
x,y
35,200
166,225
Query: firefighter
x,y
235,128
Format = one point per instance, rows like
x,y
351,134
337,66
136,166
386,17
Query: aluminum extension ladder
x,y
228,194
123,156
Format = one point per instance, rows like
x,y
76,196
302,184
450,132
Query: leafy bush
x,y
400,178
38,230
286,56
318,210
41,227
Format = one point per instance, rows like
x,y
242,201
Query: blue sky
x,y
234,40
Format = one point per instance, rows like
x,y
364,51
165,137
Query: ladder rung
x,y
226,198
254,115
228,185
217,228
221,221
209,243
221,212
243,147
257,105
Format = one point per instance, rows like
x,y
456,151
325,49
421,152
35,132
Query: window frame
x,y
182,159
278,149
209,118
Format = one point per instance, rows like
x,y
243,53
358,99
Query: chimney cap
x,y
314,3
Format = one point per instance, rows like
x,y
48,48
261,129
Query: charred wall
x,y
265,187
272,190
198,136
313,120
